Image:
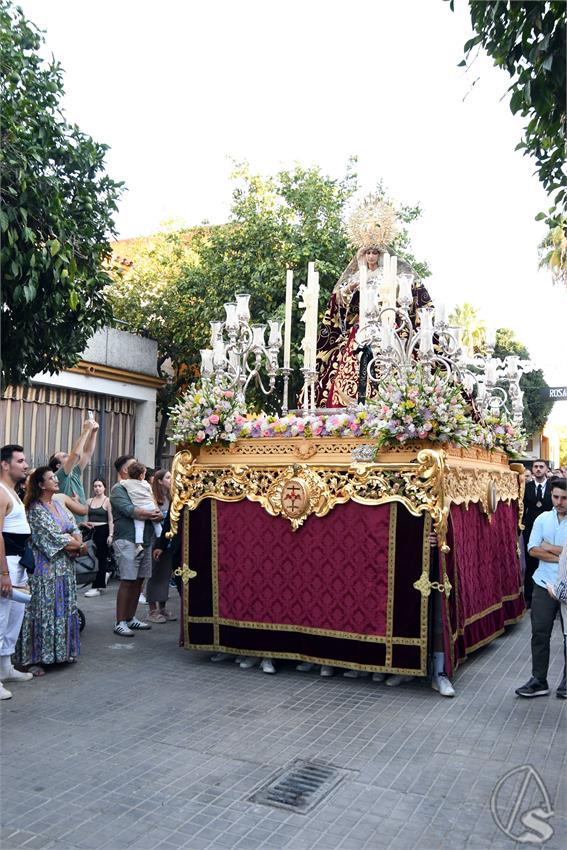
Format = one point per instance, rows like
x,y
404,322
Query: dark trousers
x,y
100,537
543,613
531,566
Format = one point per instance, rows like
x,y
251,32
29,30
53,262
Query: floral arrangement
x,y
207,413
420,406
357,424
495,432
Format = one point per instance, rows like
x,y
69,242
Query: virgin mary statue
x,y
371,229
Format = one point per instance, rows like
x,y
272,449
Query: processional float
x,y
303,540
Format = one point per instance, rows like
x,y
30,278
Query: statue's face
x,y
372,255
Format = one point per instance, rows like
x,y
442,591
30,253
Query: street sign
x,y
554,393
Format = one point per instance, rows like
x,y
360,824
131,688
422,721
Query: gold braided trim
x,y
215,569
314,659
496,607
308,630
391,578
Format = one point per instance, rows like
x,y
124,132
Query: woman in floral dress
x,y
50,632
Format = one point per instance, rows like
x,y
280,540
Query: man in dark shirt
x,y
537,499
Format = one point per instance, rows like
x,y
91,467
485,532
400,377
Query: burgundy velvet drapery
x,y
340,589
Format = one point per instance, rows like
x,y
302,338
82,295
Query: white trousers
x,y
12,613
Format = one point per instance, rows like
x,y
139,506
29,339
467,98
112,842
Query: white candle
x,y
404,291
491,374
490,337
314,319
219,353
425,318
275,336
393,269
387,337
231,318
310,273
258,338
215,331
242,306
363,294
440,313
287,325
234,360
512,370
386,266
426,341
206,362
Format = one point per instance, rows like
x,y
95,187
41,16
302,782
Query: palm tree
x,y
553,253
467,317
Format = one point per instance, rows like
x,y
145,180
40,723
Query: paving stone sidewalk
x,y
144,745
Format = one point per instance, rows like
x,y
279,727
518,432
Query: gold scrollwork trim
x,y
418,486
250,624
307,630
297,656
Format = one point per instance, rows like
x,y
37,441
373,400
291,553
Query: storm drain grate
x,y
300,787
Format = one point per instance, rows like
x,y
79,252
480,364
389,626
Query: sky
x,y
180,88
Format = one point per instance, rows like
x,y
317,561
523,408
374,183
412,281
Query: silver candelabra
x,y
239,350
390,344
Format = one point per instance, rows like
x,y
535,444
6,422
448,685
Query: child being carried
x,y
141,495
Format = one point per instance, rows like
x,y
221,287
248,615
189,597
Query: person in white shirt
x,y
15,533
548,537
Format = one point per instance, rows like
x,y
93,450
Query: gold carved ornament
x,y
297,490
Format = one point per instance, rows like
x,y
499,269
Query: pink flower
x,y
301,426
228,393
214,419
353,426
240,420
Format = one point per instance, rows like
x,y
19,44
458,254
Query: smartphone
x,y
90,414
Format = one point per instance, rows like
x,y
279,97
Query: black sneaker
x,y
533,688
560,692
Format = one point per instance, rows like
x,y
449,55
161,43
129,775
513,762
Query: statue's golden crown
x,y
372,224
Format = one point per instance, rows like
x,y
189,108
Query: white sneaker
x,y
441,682
304,666
355,674
327,671
4,692
395,680
249,661
123,629
267,665
220,656
94,591
142,599
14,675
379,677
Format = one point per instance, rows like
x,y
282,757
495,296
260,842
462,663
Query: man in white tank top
x,y
13,524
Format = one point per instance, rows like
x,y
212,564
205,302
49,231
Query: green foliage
x,y
467,318
153,297
280,221
536,409
180,280
553,252
527,39
56,213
